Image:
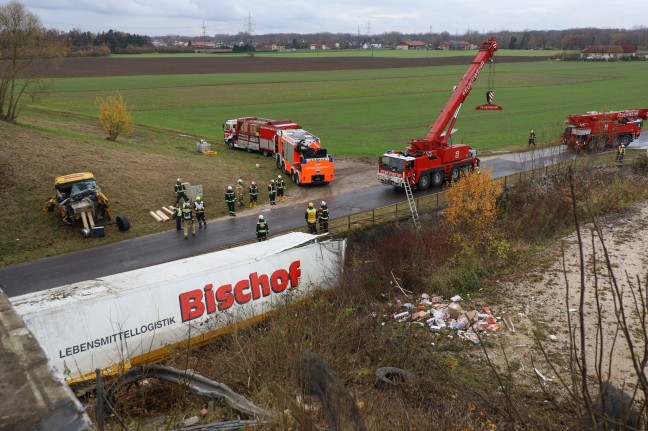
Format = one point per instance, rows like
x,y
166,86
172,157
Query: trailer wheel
x,y
294,177
437,178
299,184
265,153
230,144
283,168
278,162
455,174
424,182
122,223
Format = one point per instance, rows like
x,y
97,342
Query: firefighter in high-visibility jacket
x,y
311,218
620,153
177,213
281,186
254,194
188,220
180,191
323,217
199,209
230,200
262,229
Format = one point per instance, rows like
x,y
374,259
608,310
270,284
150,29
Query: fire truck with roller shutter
x,y
600,130
255,134
301,155
431,160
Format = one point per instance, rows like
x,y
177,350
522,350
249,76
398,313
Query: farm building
x,y
411,44
608,52
457,45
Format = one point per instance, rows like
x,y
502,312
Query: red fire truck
x,y
431,160
255,134
600,130
299,153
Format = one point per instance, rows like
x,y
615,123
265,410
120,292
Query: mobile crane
x,y
600,130
431,160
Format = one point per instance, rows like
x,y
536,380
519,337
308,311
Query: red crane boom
x,y
441,130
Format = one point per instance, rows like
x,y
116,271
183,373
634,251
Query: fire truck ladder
x,y
412,205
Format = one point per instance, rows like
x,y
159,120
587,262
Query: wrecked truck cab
x,y
77,198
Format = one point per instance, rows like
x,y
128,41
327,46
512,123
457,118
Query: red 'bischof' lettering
x,y
260,284
239,292
279,280
191,305
209,298
194,303
224,297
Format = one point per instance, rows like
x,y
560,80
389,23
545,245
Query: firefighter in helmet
x,y
620,153
272,192
180,191
230,200
199,209
254,194
311,218
532,138
240,192
177,213
281,186
262,229
188,220
323,217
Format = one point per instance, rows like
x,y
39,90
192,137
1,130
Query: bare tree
x,y
22,49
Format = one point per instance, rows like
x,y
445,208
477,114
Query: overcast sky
x,y
186,17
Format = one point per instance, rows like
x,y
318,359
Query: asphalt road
x,y
167,246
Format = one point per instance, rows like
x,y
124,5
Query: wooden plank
x,y
161,215
83,219
90,219
167,210
155,216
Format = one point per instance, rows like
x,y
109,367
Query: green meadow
x,y
361,112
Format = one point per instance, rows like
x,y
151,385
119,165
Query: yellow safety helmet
x,y
310,205
198,198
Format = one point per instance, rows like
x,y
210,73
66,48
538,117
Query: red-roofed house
x,y
411,44
608,52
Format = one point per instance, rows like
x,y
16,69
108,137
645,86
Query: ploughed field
x,y
122,66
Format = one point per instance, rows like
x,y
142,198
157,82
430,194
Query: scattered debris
x,y
438,315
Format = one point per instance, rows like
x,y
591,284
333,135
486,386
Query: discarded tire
x,y
391,376
122,223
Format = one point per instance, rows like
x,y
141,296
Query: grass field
x,y
365,112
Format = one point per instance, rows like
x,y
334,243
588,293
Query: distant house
x,y
315,46
457,45
203,45
608,52
411,44
276,47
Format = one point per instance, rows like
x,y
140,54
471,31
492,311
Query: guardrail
x,y
437,201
